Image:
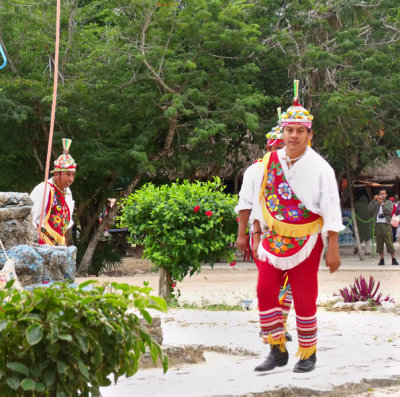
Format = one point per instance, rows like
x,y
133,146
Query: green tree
x,y
181,226
146,91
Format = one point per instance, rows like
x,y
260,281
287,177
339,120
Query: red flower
x,y
195,209
173,285
232,264
209,213
237,219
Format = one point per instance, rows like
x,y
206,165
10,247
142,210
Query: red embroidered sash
x,y
290,223
56,220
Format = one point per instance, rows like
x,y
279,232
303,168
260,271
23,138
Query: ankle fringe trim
x,y
306,352
280,342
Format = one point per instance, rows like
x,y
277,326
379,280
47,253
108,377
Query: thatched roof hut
x,y
383,174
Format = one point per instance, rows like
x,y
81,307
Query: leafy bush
x,y
63,341
182,225
363,291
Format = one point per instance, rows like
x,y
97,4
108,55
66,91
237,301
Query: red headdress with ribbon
x,y
296,114
65,162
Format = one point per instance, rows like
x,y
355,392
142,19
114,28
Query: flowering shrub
x,y
181,226
363,291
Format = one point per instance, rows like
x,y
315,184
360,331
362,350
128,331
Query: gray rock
x,y
41,264
16,227
34,263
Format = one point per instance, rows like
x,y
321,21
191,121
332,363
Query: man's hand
x,y
242,243
332,257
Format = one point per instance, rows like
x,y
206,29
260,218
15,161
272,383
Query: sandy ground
x,y
231,285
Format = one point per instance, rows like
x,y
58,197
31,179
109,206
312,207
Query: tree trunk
x,y
165,284
353,212
87,257
235,184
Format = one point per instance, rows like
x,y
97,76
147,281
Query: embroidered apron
x,y
56,219
292,228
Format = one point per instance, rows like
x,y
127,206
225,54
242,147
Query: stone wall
x,y
34,263
16,226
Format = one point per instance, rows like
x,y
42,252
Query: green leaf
x,y
39,386
86,283
146,316
154,352
3,324
18,367
66,337
28,384
61,367
13,382
34,334
49,377
83,343
83,369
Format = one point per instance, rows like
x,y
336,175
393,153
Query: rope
x,y
4,250
369,220
53,112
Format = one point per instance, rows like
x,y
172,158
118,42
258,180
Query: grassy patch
x,y
205,305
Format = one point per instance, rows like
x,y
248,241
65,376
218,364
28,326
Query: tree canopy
x,y
153,90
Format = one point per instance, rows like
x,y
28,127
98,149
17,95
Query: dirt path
x,y
225,284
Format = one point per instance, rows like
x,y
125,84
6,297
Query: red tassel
x,y
296,102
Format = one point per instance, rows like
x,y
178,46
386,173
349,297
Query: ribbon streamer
x,y
4,57
296,88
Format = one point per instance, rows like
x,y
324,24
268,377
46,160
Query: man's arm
x,y
387,207
244,207
256,237
332,257
242,242
372,206
37,197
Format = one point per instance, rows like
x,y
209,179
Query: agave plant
x,y
363,291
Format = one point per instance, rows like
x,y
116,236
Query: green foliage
x,y
189,88
182,225
67,341
344,53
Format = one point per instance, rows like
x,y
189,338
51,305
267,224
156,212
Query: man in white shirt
x,y
249,191
298,206
56,218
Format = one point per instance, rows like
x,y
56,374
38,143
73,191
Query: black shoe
x,y
381,262
275,358
288,337
306,365
394,262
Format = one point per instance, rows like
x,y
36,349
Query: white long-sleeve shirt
x,y
313,181
37,198
251,184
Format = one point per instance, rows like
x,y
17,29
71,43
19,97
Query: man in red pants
x,y
298,206
252,179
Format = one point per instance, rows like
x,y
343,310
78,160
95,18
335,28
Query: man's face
x,y
296,138
383,194
64,179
